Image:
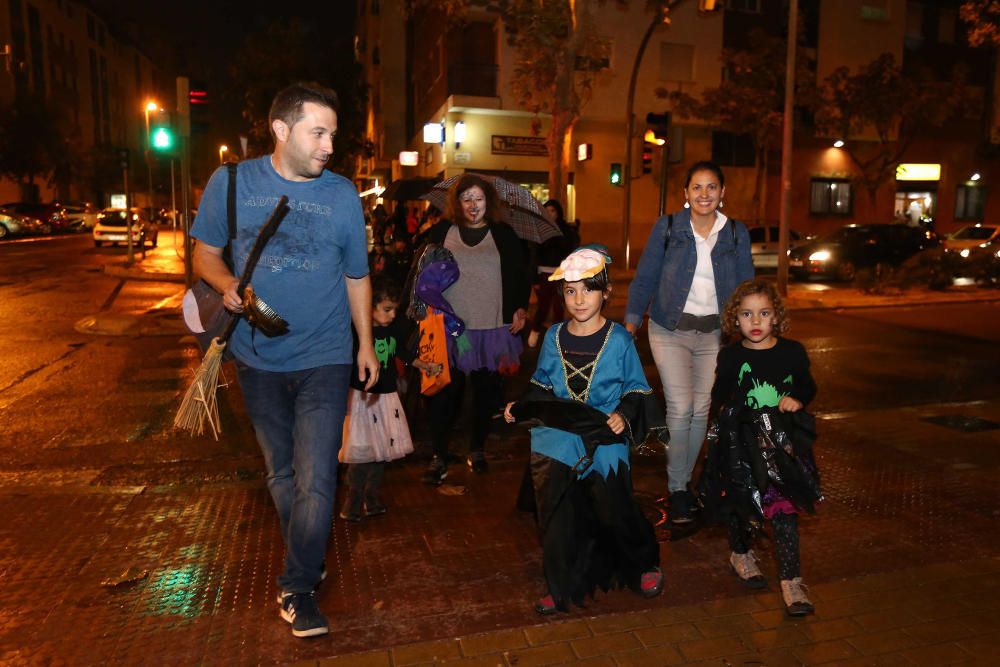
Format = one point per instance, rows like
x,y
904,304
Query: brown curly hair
x,y
494,207
730,314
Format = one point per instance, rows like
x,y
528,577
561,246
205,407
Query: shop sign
x,y
918,172
505,144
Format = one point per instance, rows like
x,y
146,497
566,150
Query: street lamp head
x,y
152,106
839,143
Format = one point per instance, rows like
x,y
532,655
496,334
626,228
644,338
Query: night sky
x,y
199,39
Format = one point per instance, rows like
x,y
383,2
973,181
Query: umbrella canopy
x,y
523,212
408,189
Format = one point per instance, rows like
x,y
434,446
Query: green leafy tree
x,y
983,19
879,112
559,49
32,142
750,100
294,50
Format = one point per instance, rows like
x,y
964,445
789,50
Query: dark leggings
x,y
364,480
786,542
443,408
549,299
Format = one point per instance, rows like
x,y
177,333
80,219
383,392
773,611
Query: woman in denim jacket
x,y
692,262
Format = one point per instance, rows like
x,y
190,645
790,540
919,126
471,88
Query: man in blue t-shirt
x,y
314,274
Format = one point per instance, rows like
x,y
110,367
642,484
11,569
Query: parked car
x,y
82,215
13,224
53,214
112,226
971,237
764,245
854,247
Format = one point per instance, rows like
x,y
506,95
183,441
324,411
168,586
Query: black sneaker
x,y
436,472
477,462
679,508
301,611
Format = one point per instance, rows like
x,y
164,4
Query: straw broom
x,y
199,407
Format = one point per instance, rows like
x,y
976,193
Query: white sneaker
x,y
533,339
745,567
796,601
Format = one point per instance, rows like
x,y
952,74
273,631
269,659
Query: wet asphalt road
x,y
97,478
66,390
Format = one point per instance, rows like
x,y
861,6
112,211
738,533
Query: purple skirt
x,y
493,349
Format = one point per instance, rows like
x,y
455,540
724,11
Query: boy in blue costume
x,y
593,400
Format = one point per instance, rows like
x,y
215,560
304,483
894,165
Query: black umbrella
x,y
407,189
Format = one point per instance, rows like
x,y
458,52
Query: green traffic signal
x,y
616,173
162,139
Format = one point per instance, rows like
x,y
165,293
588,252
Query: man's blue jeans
x,y
299,420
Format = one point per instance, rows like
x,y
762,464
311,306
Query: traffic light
x,y
647,157
616,173
199,105
161,134
659,127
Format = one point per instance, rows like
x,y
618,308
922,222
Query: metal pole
x,y
186,211
149,165
130,257
173,197
786,149
664,150
629,129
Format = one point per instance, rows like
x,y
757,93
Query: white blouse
x,y
702,299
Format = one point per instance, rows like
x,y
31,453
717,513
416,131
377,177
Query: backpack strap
x,y
670,226
227,252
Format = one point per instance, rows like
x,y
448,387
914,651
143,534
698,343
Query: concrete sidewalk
x,y
946,614
165,263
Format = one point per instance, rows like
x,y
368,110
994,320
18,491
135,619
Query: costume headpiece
x,y
584,262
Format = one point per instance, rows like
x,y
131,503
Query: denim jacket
x,y
663,279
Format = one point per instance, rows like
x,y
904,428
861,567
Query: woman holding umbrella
x,y
491,297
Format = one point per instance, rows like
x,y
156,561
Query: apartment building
x,y
93,72
455,80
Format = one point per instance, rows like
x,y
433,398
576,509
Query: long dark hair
x,y
560,215
494,209
705,165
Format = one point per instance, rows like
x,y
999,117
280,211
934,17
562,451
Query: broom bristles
x,y
199,406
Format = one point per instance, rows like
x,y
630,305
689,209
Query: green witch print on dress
x,y
763,394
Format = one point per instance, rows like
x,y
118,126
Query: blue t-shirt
x,y
301,271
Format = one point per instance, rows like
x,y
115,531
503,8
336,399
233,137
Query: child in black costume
x,y
762,466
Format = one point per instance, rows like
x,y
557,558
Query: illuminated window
x,y
830,196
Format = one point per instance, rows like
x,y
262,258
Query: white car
x,y
971,237
764,246
112,228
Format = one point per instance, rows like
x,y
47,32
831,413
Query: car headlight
x,y
965,252
820,256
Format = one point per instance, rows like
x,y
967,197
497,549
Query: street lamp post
x,y
222,151
150,106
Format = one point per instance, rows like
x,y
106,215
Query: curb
x,y
136,273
